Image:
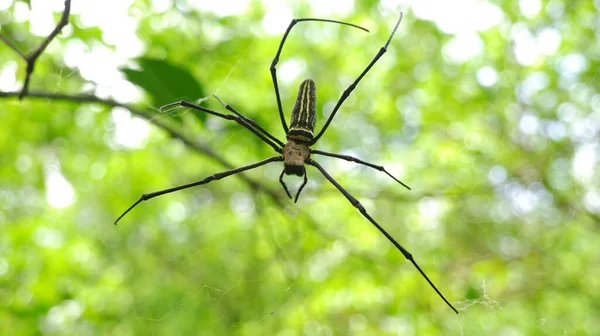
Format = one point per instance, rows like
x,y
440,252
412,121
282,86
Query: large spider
x,y
296,153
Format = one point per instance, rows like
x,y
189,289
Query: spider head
x,y
294,155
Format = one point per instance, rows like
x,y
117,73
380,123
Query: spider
x,y
296,153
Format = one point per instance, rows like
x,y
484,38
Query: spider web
x,y
220,295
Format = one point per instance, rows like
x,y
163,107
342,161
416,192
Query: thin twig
x,y
12,46
33,56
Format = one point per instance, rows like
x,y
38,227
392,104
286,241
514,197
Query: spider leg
x,y
352,86
286,189
302,186
283,184
208,179
364,212
250,121
237,118
276,60
359,161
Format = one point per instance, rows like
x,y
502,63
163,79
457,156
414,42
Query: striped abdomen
x,y
304,113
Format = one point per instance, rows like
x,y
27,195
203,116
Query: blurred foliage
x,y
503,215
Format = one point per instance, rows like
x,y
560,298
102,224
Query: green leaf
x,y
165,83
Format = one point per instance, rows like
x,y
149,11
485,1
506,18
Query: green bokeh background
x,y
498,215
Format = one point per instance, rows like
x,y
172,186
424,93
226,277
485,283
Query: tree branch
x,y
33,56
198,147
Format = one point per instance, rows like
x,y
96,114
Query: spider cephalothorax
x,y
296,153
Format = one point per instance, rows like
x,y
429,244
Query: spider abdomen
x,y
304,113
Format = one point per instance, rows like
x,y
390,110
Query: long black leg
x,y
276,60
352,86
238,119
359,161
286,188
362,210
302,186
283,184
216,176
250,121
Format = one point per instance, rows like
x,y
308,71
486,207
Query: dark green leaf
x,y
165,83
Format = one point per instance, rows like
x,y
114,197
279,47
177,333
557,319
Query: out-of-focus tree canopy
x,y
489,111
